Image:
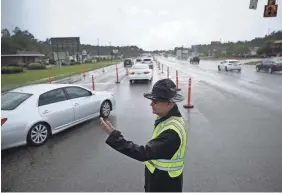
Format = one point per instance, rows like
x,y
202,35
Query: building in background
x,y
25,57
277,48
182,53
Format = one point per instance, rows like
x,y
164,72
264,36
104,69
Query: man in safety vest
x,y
164,154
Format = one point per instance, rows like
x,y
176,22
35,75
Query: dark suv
x,y
127,62
270,65
195,59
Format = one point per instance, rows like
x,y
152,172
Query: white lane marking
x,y
97,83
124,79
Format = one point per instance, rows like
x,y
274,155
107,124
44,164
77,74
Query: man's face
x,y
161,108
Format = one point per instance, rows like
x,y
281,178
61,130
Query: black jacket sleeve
x,y
162,147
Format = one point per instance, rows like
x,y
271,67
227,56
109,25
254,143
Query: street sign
x,y
270,10
253,4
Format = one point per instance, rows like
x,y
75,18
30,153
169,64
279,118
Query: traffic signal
x,y
271,2
270,10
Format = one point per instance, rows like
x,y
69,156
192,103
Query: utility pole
x,y
111,52
98,50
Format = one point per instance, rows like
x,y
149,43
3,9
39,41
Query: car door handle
x,y
45,112
76,104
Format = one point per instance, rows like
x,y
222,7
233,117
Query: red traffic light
x,y
270,10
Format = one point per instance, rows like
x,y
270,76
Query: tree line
x,y
23,40
264,45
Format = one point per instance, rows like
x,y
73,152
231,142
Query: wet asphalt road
x,y
234,139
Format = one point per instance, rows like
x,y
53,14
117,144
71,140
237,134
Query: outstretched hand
x,y
107,126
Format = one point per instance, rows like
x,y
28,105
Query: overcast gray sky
x,y
150,24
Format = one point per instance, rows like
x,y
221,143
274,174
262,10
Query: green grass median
x,y
253,62
210,58
11,81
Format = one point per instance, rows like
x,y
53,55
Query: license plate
x,y
138,73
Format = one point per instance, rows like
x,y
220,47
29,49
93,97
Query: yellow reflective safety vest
x,y
175,165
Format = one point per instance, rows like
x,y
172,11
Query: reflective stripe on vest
x,y
175,165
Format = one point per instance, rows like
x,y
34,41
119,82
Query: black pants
x,y
160,181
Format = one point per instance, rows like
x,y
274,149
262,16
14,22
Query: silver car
x,y
31,114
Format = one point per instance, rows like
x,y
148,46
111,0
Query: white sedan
x,y
140,72
230,65
31,114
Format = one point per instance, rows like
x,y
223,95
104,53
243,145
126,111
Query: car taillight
x,y
131,73
146,72
3,121
276,65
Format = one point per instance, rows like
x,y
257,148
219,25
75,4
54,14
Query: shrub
x,y
75,63
51,61
65,64
88,61
36,66
21,64
11,70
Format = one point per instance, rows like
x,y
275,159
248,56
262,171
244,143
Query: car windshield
x,y
143,66
147,60
11,100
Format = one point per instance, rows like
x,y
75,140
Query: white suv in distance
x,y
148,61
228,65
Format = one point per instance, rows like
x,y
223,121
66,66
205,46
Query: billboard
x,y
68,45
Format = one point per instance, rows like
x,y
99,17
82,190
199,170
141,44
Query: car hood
x,y
102,93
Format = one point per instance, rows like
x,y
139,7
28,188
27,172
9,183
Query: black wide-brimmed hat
x,y
164,90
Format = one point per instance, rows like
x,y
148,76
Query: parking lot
x,y
234,141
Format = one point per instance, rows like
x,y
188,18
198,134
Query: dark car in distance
x,y
195,59
127,62
270,64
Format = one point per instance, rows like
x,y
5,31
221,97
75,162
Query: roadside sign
x,y
253,4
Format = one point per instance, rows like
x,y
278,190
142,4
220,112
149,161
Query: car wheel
x,y
270,70
258,69
239,70
38,134
131,81
105,109
226,68
218,67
